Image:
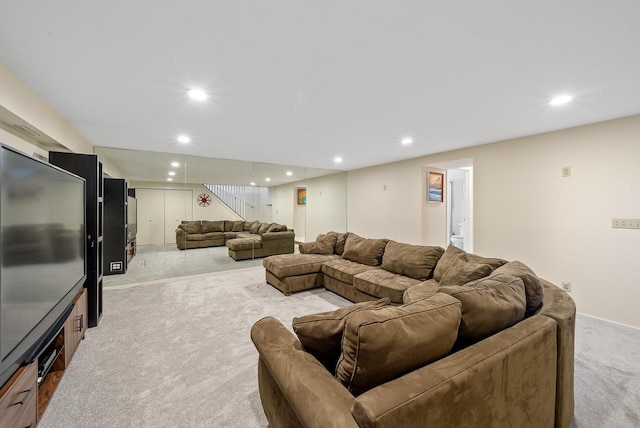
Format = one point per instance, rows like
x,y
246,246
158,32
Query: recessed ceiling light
x,y
252,183
406,141
175,164
289,173
560,99
197,94
267,179
171,173
337,159
169,179
184,139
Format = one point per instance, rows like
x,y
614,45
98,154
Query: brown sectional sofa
x,y
245,240
390,359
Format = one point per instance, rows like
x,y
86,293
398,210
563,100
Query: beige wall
x,y
524,209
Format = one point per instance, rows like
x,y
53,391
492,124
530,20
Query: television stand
x,y
24,398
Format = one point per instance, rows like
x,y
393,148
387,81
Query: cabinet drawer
x,y
28,417
21,391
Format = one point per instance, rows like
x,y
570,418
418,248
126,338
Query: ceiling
x,y
299,83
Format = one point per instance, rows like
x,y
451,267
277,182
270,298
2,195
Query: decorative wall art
x,y
435,187
302,196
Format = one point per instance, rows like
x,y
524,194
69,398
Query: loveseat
x,y
244,239
439,338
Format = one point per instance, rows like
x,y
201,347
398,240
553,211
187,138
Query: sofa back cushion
x,y
263,228
237,226
212,226
255,227
532,285
363,250
275,227
340,241
414,261
321,334
489,305
382,344
461,272
324,244
191,226
452,253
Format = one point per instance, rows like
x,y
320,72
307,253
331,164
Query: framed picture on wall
x,y
302,196
435,187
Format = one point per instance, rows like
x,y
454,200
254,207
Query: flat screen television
x,y
42,254
132,218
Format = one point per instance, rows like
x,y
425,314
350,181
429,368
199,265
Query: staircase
x,y
235,197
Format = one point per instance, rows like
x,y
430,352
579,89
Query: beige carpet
x,y
177,353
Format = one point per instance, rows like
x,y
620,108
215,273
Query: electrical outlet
x,y
625,223
566,171
566,286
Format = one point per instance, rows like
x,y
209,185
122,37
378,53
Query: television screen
x,y
42,248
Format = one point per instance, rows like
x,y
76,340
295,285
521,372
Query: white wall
x,y
524,209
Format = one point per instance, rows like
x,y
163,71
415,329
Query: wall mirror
x,y
170,188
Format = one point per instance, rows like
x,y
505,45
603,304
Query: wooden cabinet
x,y
24,398
89,167
18,398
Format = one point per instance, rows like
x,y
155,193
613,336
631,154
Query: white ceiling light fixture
x,y
175,164
184,139
252,183
267,179
560,100
289,173
337,159
171,173
407,141
169,179
197,94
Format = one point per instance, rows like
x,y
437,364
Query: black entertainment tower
x,y
115,226
90,168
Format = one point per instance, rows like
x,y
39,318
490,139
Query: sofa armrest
x,y
305,248
313,394
508,379
272,236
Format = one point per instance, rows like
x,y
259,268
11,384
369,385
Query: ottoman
x,y
244,248
295,272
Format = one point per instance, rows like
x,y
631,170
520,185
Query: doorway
x,y
460,207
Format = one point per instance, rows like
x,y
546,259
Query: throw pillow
x,y
238,226
489,305
414,261
460,272
324,244
363,250
382,344
212,226
532,284
228,225
275,227
320,334
453,253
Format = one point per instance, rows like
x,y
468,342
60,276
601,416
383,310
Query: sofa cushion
x,y
382,344
275,227
421,291
415,261
489,305
340,241
286,265
212,226
263,228
532,284
381,283
453,253
460,272
321,334
191,226
237,226
255,227
344,270
248,224
196,237
239,244
324,244
214,236
364,250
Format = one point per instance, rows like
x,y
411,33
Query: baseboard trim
x,y
612,322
